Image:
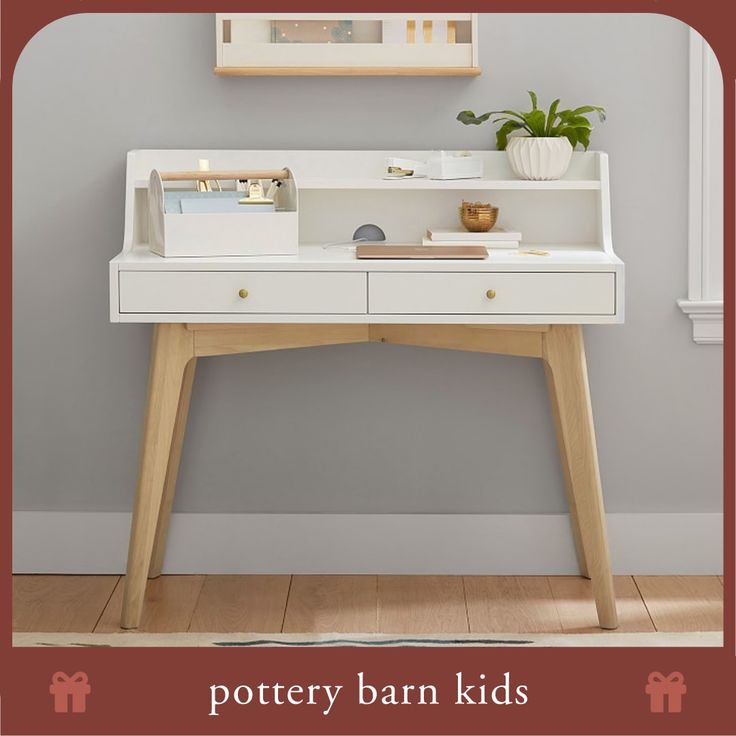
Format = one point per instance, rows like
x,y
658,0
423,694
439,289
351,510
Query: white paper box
x,y
452,166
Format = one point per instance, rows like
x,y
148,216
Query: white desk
x,y
512,303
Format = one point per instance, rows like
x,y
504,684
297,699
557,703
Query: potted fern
x,y
546,149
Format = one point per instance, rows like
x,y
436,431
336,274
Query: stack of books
x,y
496,238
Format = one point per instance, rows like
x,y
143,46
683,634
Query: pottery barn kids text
x,y
468,690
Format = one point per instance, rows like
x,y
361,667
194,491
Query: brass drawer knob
x,y
243,293
491,294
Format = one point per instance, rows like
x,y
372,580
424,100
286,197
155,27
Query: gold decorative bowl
x,y
478,217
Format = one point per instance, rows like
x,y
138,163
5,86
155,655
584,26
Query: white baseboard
x,y
451,544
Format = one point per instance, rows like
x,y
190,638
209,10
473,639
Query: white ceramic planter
x,y
539,158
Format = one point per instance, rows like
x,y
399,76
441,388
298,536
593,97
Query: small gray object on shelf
x,y
370,232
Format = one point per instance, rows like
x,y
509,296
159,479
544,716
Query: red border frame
x,y
162,691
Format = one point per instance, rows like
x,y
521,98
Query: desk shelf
x,y
452,184
411,184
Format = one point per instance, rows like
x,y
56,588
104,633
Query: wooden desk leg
x,y
172,350
565,465
564,354
172,472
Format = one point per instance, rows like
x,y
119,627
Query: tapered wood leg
x,y
172,349
565,464
172,471
564,354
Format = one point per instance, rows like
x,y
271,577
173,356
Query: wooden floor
x,y
365,604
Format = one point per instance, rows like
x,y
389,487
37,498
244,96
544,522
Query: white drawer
x,y
492,293
268,292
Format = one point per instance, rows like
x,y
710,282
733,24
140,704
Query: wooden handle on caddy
x,y
220,175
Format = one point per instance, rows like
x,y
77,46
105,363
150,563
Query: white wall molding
x,y
707,318
493,544
704,304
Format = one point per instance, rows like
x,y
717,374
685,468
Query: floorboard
x,y
60,603
332,603
232,603
511,604
421,604
685,603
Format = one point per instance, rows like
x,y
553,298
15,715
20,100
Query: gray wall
x,y
351,428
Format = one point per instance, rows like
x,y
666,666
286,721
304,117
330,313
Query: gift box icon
x,y
660,687
65,689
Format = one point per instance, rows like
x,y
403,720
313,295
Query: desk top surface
x,y
342,258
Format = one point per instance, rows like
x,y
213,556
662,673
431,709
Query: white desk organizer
x,y
224,233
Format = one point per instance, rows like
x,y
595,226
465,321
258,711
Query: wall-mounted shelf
x,y
347,44
348,71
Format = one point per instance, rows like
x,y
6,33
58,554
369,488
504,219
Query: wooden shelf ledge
x,y
348,71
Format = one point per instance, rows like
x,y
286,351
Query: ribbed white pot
x,y
539,158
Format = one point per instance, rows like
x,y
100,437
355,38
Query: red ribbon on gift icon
x,y
75,688
660,687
